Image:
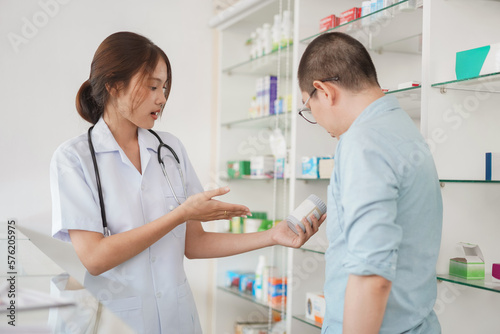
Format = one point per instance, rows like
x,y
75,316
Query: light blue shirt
x,y
384,218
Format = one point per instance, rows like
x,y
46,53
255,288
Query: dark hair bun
x,y
86,105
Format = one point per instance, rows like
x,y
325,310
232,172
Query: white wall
x,y
41,72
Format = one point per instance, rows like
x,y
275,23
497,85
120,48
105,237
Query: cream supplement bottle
x,y
311,205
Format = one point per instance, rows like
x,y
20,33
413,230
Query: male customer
x,y
384,202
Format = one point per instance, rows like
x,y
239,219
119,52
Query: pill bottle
x,y
311,205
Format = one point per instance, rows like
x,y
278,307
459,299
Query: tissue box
x,y
326,165
474,62
495,272
492,166
236,169
315,307
471,266
310,167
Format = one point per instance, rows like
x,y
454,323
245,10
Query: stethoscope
x,y
107,232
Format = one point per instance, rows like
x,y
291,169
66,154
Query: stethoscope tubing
x,y
106,230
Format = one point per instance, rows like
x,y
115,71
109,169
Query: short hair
x,y
339,55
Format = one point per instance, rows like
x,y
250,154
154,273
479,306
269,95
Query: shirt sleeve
x,y
369,193
73,204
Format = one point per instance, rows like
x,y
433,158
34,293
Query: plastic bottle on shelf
x,y
259,276
259,45
276,32
267,39
286,28
253,48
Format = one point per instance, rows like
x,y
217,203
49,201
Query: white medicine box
x,y
315,306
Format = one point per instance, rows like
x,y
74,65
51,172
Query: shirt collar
x,y
384,104
104,141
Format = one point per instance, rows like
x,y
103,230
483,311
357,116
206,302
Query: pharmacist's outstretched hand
x,y
283,235
202,207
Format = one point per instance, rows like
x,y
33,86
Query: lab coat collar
x,y
104,141
147,139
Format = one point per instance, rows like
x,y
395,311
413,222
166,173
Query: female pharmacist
x,y
117,177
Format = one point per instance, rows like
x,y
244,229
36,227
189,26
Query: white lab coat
x,y
150,291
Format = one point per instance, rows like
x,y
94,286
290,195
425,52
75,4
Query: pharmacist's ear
x,y
326,90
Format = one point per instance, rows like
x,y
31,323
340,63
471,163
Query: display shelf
x,y
251,178
409,99
488,83
302,318
247,296
309,179
313,250
468,181
261,122
264,65
397,27
485,284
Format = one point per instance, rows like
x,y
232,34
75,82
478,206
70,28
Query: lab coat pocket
x,y
171,203
188,315
129,310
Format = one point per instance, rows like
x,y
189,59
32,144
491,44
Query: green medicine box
x,y
471,266
236,169
479,61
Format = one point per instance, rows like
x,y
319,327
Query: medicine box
x,y
470,266
277,290
350,15
479,61
267,92
310,168
495,272
236,169
492,163
315,307
251,328
233,278
326,165
262,165
329,22
246,282
408,84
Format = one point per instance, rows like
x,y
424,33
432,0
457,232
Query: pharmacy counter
x,y
37,296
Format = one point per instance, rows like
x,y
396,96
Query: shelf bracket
x,y
441,184
443,90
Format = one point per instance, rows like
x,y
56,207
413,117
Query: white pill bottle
x,y
311,205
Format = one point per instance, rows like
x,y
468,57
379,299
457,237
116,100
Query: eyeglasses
x,y
305,111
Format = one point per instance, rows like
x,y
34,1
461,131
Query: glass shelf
x,y
468,181
395,28
313,250
261,122
309,179
486,284
248,297
252,178
302,318
264,65
489,83
409,99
